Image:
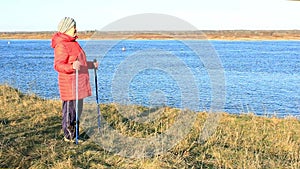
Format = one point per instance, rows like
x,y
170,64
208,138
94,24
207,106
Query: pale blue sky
x,y
39,15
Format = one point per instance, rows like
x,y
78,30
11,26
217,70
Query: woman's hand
x,y
76,65
96,64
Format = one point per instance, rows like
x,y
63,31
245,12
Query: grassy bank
x,y
30,136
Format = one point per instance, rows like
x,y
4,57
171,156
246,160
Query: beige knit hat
x,y
66,24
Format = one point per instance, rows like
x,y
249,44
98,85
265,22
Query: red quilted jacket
x,y
66,51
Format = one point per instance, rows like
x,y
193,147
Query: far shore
x,y
184,35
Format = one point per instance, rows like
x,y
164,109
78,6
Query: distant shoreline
x,y
184,35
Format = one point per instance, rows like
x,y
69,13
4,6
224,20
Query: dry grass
x,y
31,137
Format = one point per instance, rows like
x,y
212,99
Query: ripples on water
x,y
260,76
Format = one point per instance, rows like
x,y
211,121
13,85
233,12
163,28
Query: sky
x,y
39,15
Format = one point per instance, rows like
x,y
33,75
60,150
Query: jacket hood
x,y
61,37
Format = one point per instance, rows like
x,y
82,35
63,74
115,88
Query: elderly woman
x,y
69,56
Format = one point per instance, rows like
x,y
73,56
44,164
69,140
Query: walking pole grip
x,y
95,61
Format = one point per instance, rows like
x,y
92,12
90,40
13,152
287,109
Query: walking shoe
x,y
79,141
72,140
68,140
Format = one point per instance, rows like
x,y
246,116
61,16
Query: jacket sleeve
x,y
61,60
90,65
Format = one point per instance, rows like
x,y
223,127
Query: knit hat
x,y
66,24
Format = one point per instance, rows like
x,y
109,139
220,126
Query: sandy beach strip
x,y
184,35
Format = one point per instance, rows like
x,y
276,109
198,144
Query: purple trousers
x,y
69,117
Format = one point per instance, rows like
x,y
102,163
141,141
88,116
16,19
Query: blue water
x,y
259,76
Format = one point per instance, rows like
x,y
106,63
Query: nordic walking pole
x,y
97,100
76,138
